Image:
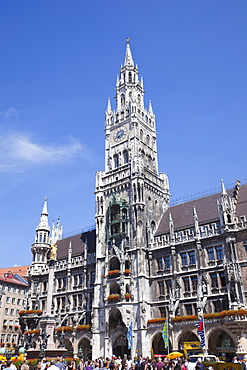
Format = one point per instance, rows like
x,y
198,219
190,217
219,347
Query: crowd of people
x,y
117,363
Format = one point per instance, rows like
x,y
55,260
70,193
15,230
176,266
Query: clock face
x,y
119,134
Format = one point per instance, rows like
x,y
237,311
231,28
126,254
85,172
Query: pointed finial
x,y
196,222
43,222
44,210
223,187
108,109
150,108
127,40
128,56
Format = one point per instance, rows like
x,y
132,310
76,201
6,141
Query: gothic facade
x,y
145,262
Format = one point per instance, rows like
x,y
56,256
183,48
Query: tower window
x,y
161,287
130,77
116,161
125,156
139,99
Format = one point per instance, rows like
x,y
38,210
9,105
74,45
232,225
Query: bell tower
x,y
131,166
131,196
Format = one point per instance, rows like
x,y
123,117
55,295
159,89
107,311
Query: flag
x,y
165,334
130,336
200,330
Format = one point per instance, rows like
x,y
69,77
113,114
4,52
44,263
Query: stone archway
x,y
69,348
158,345
222,344
118,333
189,343
120,346
86,348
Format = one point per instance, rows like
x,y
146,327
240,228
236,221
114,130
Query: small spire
x,y
44,211
196,222
128,56
108,109
141,82
43,222
223,187
171,228
150,108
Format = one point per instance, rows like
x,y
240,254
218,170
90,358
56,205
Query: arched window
x,y
116,161
114,264
125,156
153,226
148,139
130,77
122,100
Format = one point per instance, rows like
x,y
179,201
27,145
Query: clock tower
x,y
131,196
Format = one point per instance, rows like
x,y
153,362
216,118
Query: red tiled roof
x,y
10,278
206,209
21,270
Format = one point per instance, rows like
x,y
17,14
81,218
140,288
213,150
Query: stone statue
x,y
61,341
44,340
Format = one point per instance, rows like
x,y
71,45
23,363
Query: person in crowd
x,y
8,363
189,364
89,365
118,363
43,363
53,366
25,365
12,366
159,364
81,365
243,363
199,364
129,362
166,365
2,365
61,364
183,365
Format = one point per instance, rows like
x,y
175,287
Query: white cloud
x,y
18,152
9,113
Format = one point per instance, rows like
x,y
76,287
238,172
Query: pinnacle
x,y
128,56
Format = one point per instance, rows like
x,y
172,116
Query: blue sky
x,y
59,62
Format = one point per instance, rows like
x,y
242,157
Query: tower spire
x,y
43,222
128,56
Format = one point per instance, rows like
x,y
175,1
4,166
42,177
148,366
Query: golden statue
x,y
53,252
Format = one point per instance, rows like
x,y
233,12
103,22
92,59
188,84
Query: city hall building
x,y
145,262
